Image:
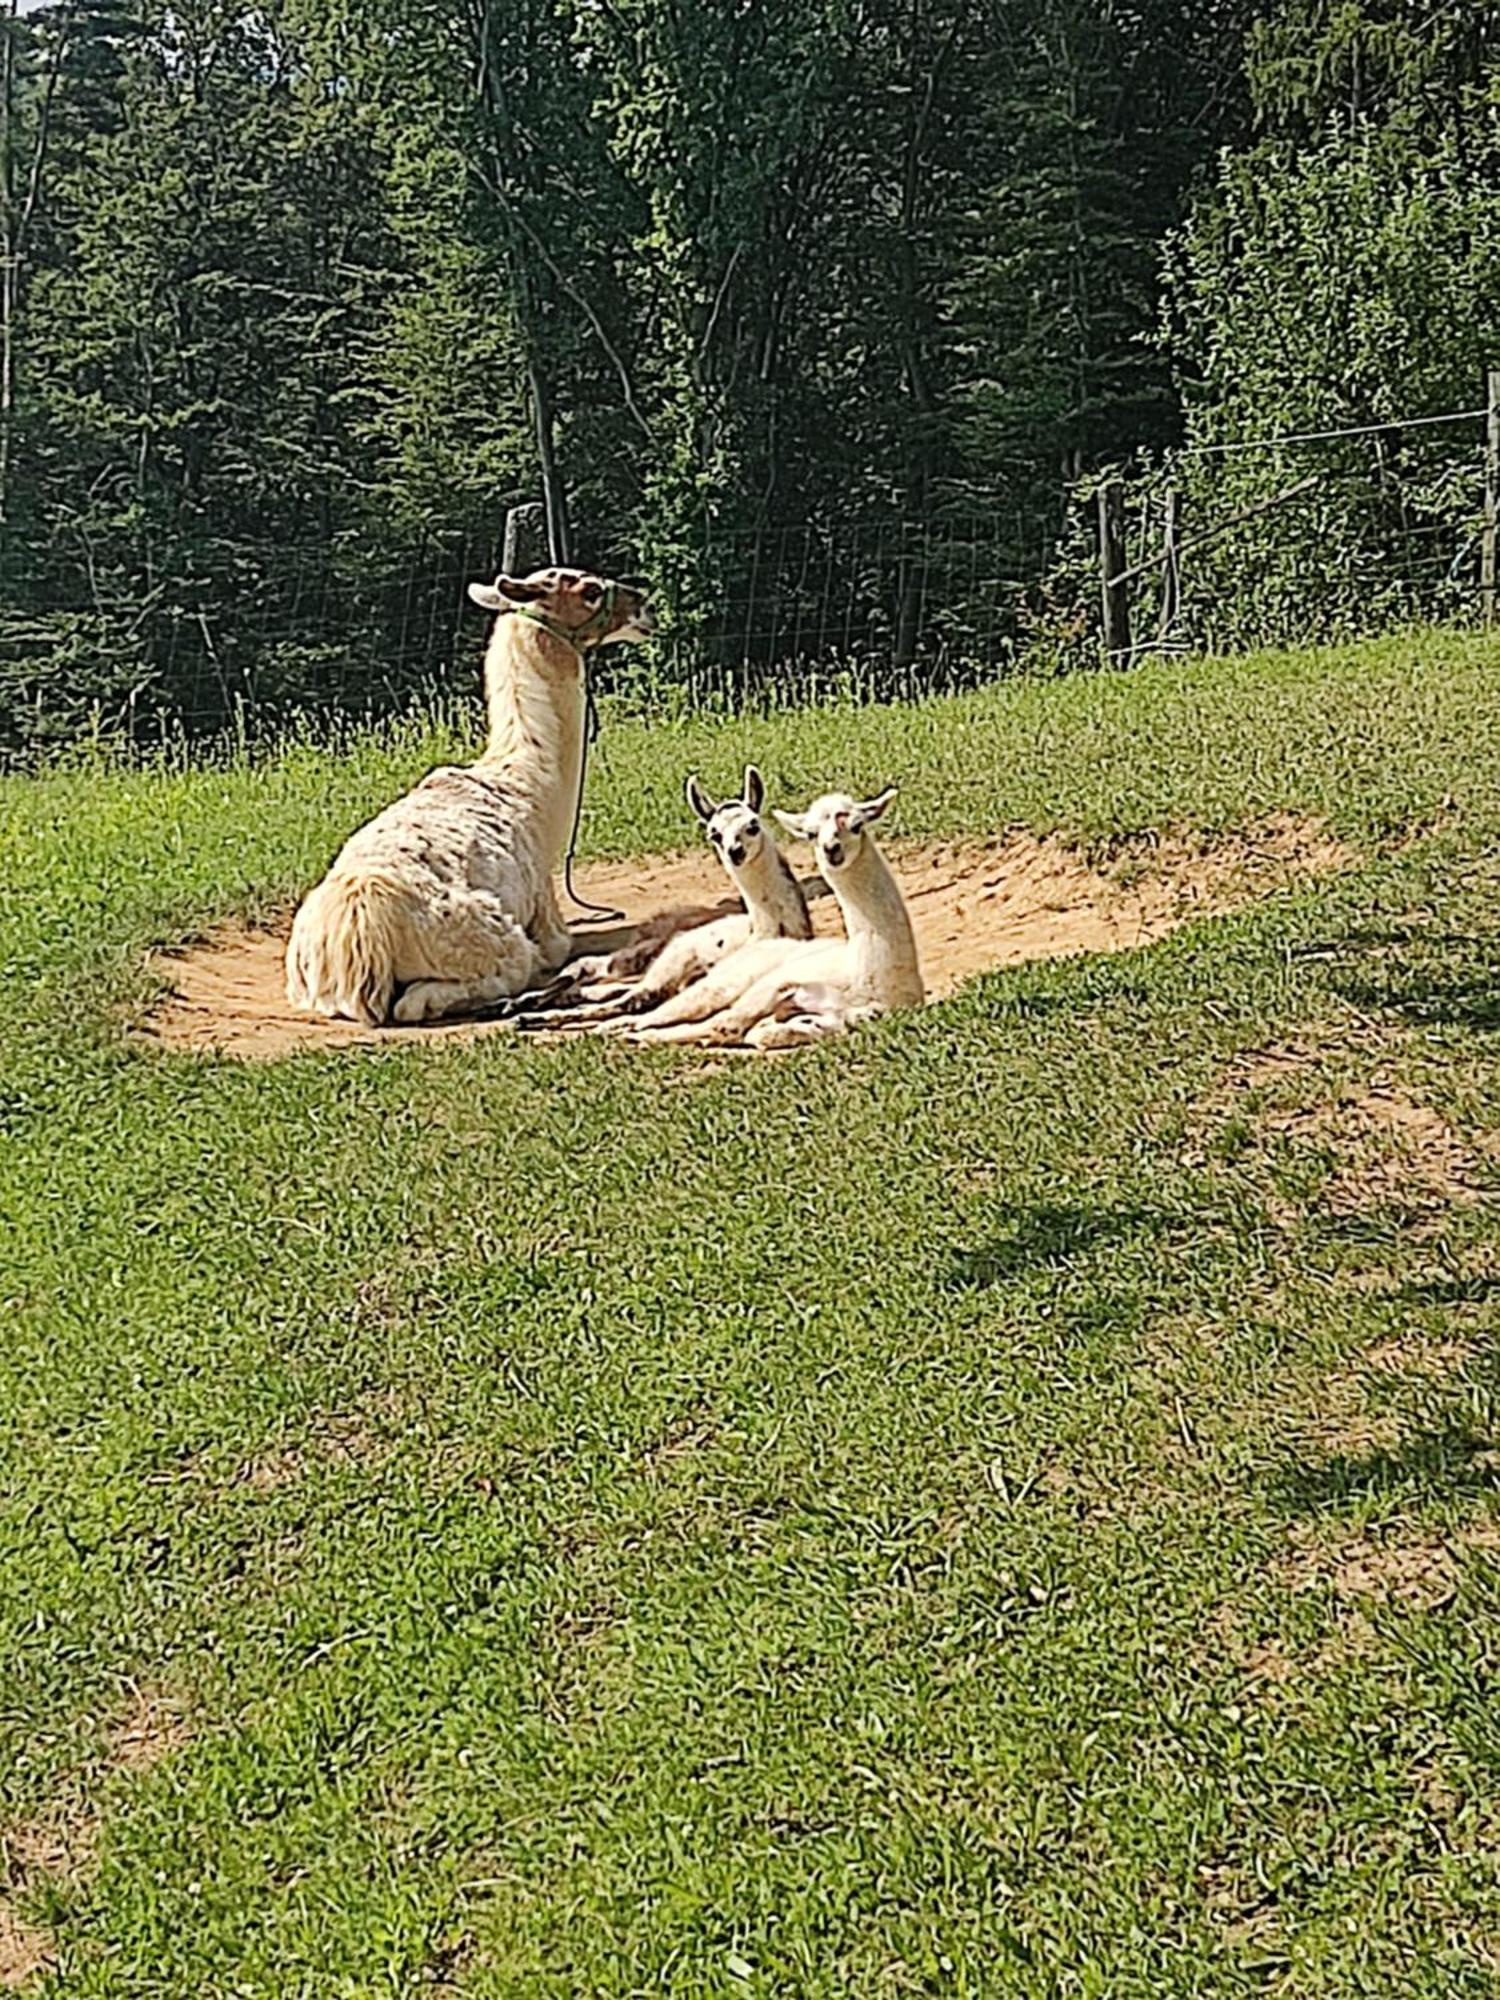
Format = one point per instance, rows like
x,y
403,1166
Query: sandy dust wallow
x,y
445,901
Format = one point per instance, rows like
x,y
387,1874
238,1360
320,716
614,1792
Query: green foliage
x,y
1343,272
313,295
815,313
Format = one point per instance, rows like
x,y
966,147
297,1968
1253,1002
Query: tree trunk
x,y
554,491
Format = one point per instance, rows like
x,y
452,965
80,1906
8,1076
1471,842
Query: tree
x,y
1343,272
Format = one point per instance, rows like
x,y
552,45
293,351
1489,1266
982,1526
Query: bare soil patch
x,y
1419,1570
974,907
1334,1096
1415,1357
360,1436
25,1954
1392,1149
60,1842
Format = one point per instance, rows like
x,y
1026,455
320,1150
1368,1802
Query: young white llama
x,y
775,907
779,993
446,899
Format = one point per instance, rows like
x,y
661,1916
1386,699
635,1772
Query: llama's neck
x,y
773,895
533,685
882,948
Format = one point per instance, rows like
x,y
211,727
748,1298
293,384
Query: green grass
x,y
894,1520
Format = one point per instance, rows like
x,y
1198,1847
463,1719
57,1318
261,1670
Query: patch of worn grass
x,y
1002,1504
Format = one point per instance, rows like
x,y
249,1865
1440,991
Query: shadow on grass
x,y
1048,1234
1429,977
1446,1291
1430,1000
1431,1465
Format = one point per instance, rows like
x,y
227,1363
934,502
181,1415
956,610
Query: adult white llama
x,y
779,993
445,900
598,989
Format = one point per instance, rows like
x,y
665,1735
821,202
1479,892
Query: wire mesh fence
x,y
881,609
1316,535
239,639
253,639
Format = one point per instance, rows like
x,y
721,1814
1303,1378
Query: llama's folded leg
x,y
724,1021
769,999
472,954
439,999
695,1003
684,1032
796,1032
574,1017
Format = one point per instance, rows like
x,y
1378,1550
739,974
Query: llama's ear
x,y
504,592
701,805
870,809
754,793
795,823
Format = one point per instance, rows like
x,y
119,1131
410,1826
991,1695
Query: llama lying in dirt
x,y
777,993
775,907
446,898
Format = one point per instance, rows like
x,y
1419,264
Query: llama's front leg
x,y
553,939
693,1005
694,1033
720,1023
578,1013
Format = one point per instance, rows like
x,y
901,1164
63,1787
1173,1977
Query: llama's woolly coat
x,y
445,899
827,984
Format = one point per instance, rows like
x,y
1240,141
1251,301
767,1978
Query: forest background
x,y
827,315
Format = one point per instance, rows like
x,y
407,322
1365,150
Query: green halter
x,y
596,622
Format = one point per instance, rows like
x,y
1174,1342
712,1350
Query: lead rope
x,y
598,912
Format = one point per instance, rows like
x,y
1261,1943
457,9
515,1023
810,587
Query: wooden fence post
x,y
1491,495
1114,590
525,540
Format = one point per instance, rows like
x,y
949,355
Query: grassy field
x,y
1003,1505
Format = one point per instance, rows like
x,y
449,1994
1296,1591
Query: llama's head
x,y
573,604
735,829
838,827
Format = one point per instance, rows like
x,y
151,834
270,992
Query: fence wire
x,y
890,608
1320,534
248,639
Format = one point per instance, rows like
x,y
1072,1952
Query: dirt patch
x,y
973,907
1391,1149
1381,1146
25,1954
1424,1360
59,1843
1268,1666
1419,1571
335,1436
151,1728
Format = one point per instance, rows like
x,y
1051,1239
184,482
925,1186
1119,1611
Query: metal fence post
x,y
1114,589
1491,494
1171,575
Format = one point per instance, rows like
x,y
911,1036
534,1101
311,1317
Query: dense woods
x,y
822,312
